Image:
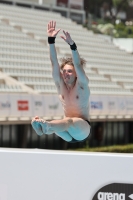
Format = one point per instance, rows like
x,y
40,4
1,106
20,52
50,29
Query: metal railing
x,y
74,14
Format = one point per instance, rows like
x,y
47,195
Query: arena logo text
x,y
110,196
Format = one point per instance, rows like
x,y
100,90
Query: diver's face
x,y
68,74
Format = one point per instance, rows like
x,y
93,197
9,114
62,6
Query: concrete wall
x,y
124,44
63,175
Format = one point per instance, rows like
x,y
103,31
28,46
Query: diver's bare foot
x,y
44,125
36,125
40,126
36,118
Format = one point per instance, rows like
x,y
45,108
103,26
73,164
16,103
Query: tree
x,y
118,5
92,6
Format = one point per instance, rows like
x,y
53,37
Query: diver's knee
x,y
70,121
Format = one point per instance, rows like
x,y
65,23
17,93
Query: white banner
x,y
57,106
52,106
96,105
113,105
105,109
38,105
5,105
28,105
21,105
129,105
25,105
14,111
122,105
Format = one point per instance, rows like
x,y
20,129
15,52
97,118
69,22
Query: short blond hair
x,y
69,61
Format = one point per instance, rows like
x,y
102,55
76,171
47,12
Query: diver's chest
x,y
75,95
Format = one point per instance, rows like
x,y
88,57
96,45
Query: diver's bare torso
x,y
72,85
75,102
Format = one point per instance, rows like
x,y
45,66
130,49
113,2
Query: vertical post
x,y
51,8
22,135
125,138
38,143
118,133
112,132
106,133
89,21
10,135
14,3
83,18
40,2
131,126
30,137
111,35
68,10
46,141
132,46
92,134
1,131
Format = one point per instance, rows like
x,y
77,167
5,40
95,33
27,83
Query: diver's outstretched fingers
x,y
37,127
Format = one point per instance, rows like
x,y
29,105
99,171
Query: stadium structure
x,y
27,88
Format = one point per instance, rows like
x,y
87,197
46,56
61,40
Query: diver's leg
x,y
40,129
77,128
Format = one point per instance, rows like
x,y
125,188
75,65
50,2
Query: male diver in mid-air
x,y
72,86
